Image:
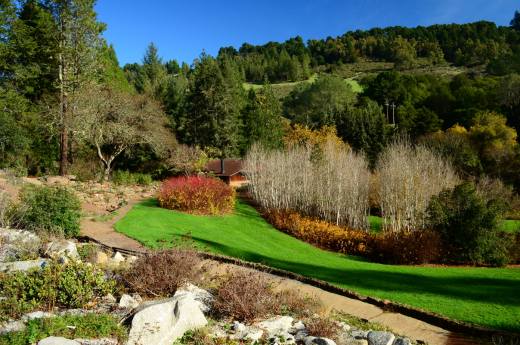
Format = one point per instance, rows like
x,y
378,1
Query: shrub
x,y
121,177
197,194
469,226
74,285
246,296
88,326
161,274
322,327
54,210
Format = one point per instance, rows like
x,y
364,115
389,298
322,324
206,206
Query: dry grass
x,y
322,327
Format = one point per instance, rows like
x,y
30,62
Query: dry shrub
x,y
322,327
407,248
161,274
197,194
320,233
246,296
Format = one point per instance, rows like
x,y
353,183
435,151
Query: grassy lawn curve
x,y
484,296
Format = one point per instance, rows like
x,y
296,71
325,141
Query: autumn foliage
x,y
197,195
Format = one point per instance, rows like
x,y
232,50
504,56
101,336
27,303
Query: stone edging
x,y
422,315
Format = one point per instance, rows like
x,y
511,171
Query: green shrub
x,y
89,326
122,177
469,226
73,285
54,210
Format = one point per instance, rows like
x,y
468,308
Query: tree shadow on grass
x,y
500,291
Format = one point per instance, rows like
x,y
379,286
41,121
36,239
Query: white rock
x,y
204,297
276,326
37,315
117,258
12,326
17,244
253,334
163,322
297,327
62,249
109,299
318,341
238,327
103,341
129,302
21,265
380,338
57,341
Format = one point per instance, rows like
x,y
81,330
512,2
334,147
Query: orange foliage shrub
x,y
417,247
197,194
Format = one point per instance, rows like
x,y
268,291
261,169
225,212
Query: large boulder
x,y
163,322
57,341
380,338
18,244
62,249
21,265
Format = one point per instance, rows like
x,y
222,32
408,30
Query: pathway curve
x,y
104,233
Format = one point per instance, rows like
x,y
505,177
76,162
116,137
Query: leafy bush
x,y
197,194
469,226
73,285
88,326
161,274
122,177
246,296
51,209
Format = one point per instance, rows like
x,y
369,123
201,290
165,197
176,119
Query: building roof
x,y
231,167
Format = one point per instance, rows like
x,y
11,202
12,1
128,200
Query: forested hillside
x,y
68,107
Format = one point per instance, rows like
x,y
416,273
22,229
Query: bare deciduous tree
x,y
408,178
331,185
114,121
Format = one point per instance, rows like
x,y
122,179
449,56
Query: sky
x,y
183,29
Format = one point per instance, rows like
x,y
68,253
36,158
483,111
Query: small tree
x,y
114,121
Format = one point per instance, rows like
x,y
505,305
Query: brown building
x,y
228,170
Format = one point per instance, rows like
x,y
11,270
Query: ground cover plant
x,y
88,326
483,296
196,194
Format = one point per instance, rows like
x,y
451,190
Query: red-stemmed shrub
x,y
197,194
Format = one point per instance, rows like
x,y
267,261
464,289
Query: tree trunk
x,y
64,138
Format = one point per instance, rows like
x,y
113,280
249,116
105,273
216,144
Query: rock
x,y
253,334
12,326
57,341
297,327
161,323
18,244
380,338
100,258
129,302
109,299
37,315
117,259
344,326
238,327
103,341
276,326
402,341
358,334
131,259
21,265
62,249
204,297
318,341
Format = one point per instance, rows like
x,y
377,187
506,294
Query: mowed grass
x,y
484,296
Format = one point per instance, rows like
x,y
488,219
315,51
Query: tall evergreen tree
x,y
515,22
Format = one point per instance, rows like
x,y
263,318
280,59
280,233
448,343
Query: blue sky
x,y
182,29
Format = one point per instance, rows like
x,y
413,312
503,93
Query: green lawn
x,y
484,296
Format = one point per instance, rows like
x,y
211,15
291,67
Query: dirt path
x,y
103,232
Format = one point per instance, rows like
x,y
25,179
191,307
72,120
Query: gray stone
x,y
402,341
103,341
62,249
117,258
12,326
162,322
110,299
318,341
130,302
21,265
37,315
380,338
276,326
18,244
57,341
358,334
297,327
204,297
